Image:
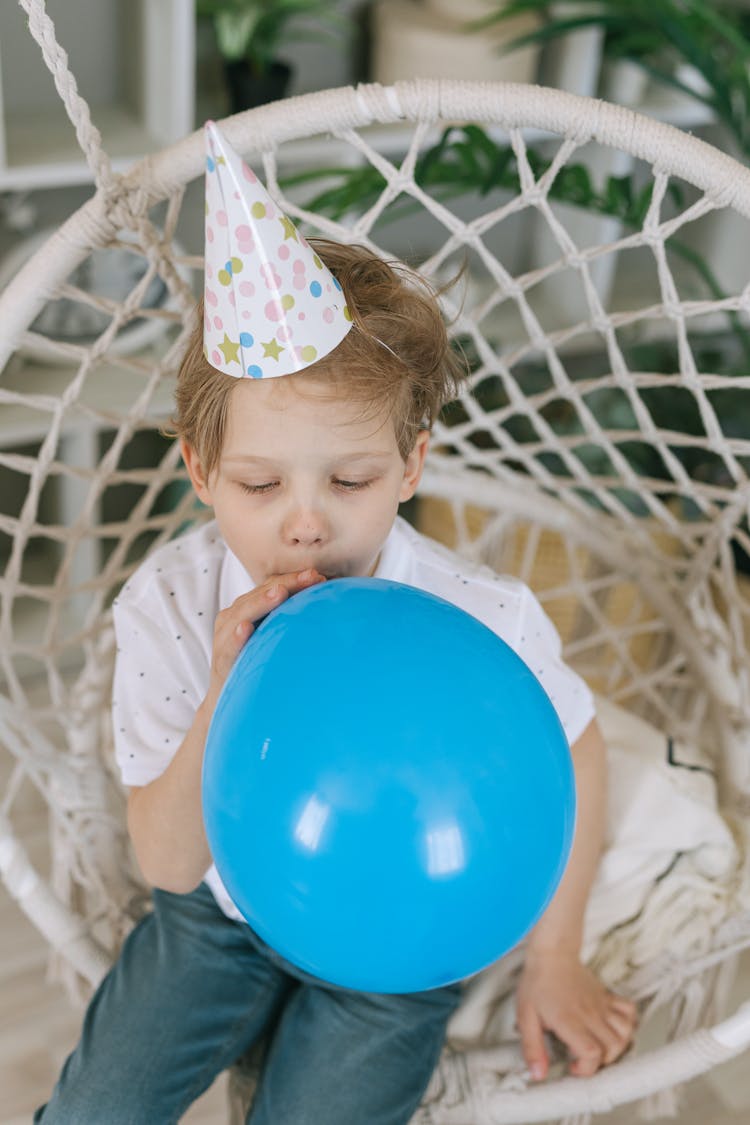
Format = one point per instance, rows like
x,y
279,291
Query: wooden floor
x,y
38,1028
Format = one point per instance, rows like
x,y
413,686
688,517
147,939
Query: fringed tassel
x,y
688,1012
577,1119
664,1103
723,995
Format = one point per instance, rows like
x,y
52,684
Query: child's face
x,y
304,480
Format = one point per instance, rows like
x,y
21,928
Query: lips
x,y
326,571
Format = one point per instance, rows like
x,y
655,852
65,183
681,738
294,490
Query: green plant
x,y
711,36
255,30
466,159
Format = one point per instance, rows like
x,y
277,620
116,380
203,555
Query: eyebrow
x,y
348,458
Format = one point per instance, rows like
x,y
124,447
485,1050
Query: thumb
x,y
532,1041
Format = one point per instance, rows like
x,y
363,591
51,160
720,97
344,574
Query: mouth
x,y
328,572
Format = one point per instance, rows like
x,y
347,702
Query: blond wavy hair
x,y
397,356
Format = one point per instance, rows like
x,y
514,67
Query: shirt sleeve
x,y
539,646
161,670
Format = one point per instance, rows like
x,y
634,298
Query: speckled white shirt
x,y
164,621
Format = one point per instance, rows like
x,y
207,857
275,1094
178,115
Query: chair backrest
x,y
601,450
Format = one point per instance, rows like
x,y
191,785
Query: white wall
x,y
88,30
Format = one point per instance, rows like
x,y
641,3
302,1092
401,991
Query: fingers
x,y
235,624
257,602
587,1055
624,1007
559,995
622,1023
600,1037
532,1041
253,606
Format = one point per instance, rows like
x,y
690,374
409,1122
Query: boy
x,y
304,463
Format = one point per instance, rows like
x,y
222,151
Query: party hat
x,y
271,305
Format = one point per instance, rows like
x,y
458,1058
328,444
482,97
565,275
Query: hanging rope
x,y
89,138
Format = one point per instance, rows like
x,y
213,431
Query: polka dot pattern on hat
x,y
272,305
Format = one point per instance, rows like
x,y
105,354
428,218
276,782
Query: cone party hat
x,y
271,305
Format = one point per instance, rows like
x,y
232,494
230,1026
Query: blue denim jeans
x,y
192,990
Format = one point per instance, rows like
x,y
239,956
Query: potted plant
x,y
699,47
250,34
467,159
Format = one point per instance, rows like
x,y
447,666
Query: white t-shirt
x,y
164,622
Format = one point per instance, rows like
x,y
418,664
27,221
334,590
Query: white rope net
x,y
601,450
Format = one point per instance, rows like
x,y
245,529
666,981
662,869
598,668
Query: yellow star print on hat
x,y
271,305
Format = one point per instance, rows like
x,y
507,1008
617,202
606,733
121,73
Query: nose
x,y
306,526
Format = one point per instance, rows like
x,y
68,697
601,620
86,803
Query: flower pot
x,y
412,40
248,89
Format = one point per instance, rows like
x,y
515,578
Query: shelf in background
x,y
140,85
42,150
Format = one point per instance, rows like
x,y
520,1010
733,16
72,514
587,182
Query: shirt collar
x,y
397,560
234,580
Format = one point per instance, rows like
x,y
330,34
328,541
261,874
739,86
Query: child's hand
x,y
559,994
236,623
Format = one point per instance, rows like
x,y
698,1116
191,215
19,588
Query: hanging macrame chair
x,y
599,452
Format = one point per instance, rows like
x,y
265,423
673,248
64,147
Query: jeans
x,y
192,990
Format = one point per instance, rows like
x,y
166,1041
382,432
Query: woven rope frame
x,y
649,602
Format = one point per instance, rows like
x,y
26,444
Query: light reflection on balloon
x,y
310,825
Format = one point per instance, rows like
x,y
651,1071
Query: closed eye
x,y
352,485
257,489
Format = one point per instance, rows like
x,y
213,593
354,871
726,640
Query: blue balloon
x,y
388,793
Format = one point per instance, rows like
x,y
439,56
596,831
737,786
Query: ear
x,y
414,465
198,478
